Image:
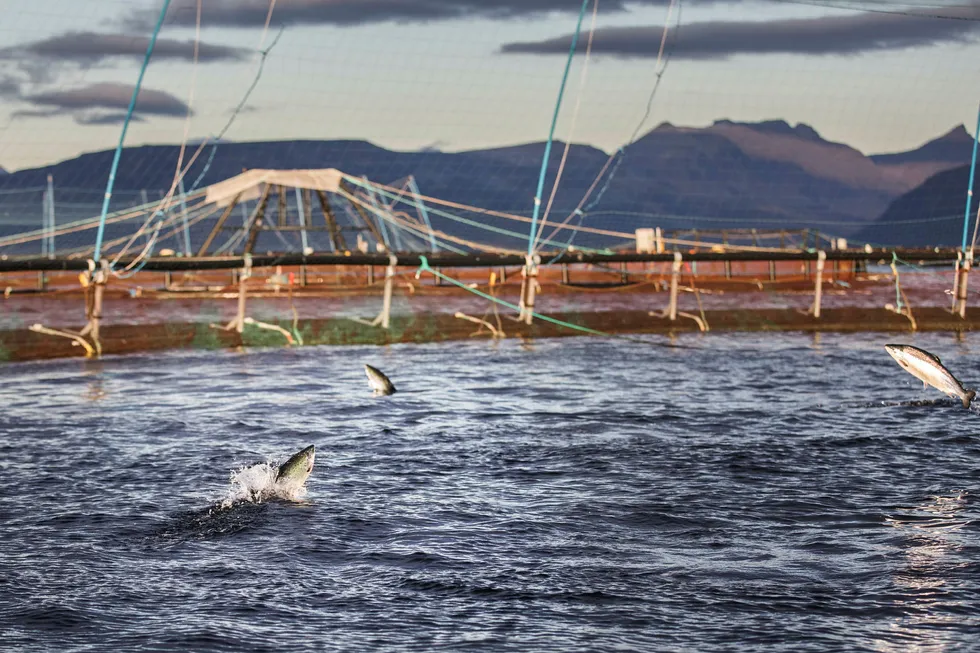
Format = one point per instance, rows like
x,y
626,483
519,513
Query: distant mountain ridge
x,y
730,174
930,214
955,146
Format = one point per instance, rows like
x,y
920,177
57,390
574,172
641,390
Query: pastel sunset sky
x,y
464,74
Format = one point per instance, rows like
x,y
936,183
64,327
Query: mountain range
x,y
728,175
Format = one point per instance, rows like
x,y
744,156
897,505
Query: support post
x,y
675,273
365,218
300,208
529,288
961,289
956,280
256,227
564,273
818,284
238,324
658,240
281,210
339,244
389,282
219,224
98,277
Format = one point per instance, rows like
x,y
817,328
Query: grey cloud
x,y
115,118
91,48
9,87
36,113
252,13
43,60
840,35
81,118
110,96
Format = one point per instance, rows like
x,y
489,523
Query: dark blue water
x,y
756,492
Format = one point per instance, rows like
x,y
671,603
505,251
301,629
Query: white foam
x,y
257,483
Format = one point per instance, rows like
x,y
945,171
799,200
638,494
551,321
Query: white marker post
x,y
818,284
675,273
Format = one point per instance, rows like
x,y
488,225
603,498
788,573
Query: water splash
x,y
242,505
257,483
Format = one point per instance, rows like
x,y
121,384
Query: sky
x,y
465,74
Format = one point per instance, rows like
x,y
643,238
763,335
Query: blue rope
x,y
551,134
122,136
969,193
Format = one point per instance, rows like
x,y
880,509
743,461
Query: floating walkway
x,y
446,273
26,344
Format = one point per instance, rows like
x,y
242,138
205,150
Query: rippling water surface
x,y
749,492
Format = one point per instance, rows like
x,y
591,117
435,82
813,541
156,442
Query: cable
x,y
551,133
571,131
122,136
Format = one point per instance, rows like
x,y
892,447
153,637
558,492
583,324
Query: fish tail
x,y
968,397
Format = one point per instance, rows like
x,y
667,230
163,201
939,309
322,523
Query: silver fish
x,y
930,370
378,381
297,469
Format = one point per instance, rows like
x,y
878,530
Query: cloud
x,y
829,35
83,118
107,96
36,113
43,60
9,87
252,13
91,48
115,118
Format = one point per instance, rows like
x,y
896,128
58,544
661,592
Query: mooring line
x,y
425,267
122,136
